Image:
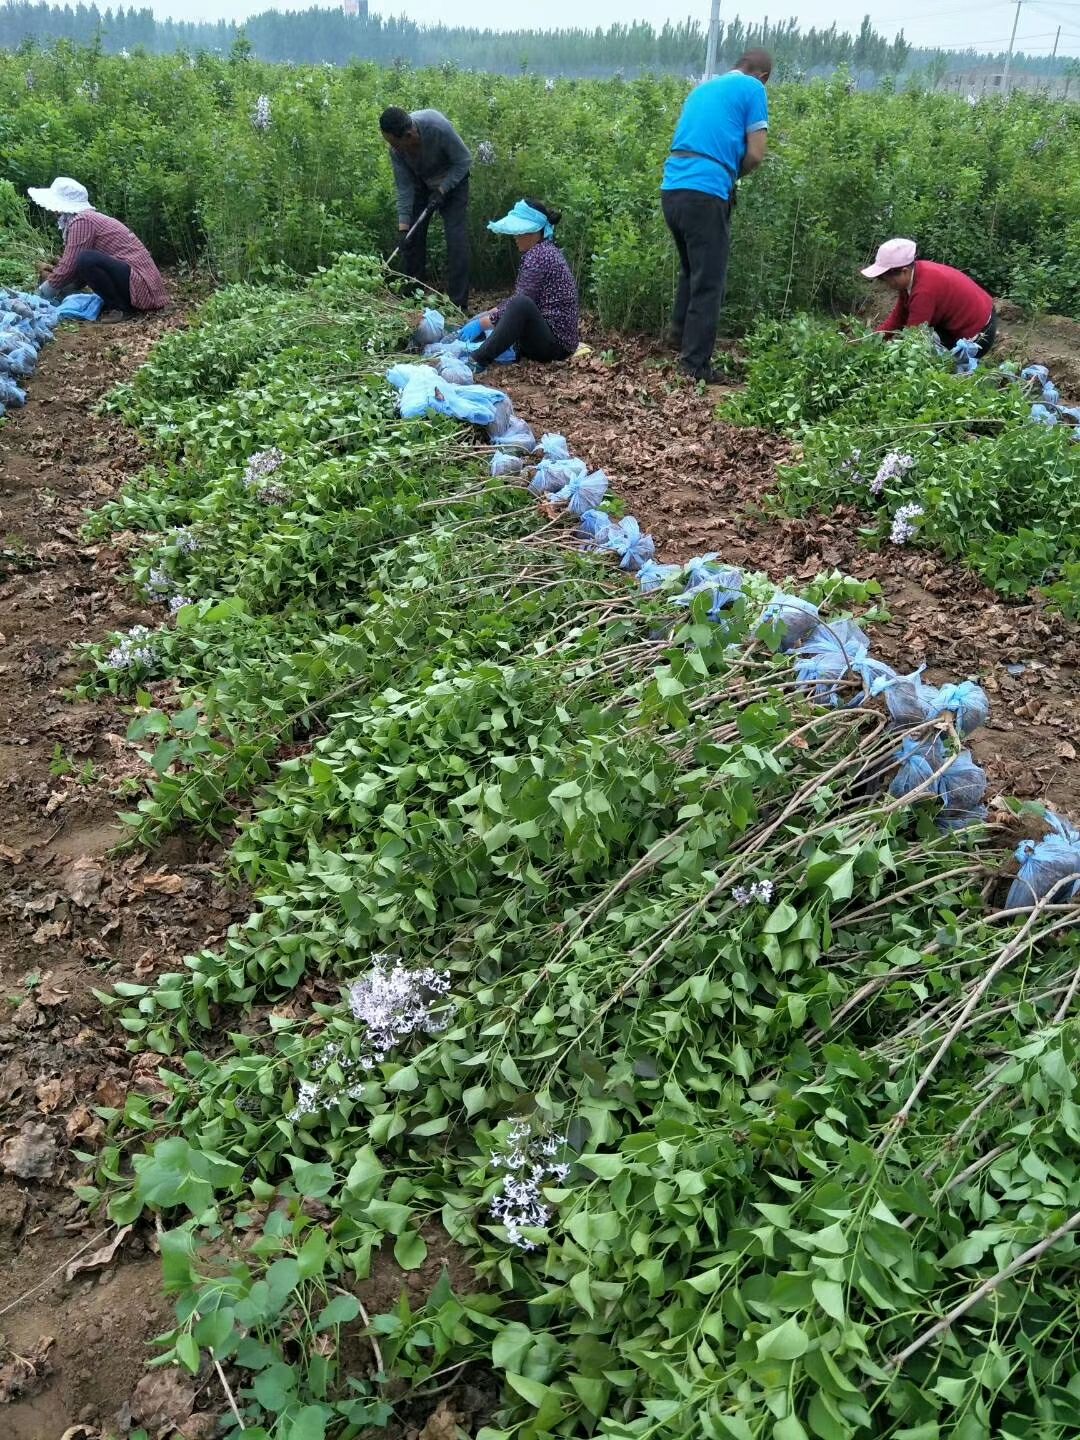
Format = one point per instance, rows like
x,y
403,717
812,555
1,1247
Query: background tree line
x,y
326,35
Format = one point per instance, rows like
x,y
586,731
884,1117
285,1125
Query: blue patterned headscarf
x,y
522,220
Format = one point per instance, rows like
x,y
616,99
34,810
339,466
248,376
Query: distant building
x,y
984,80
354,7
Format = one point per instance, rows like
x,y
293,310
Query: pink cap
x,y
891,256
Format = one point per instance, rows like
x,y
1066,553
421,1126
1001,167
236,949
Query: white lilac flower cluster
x,y
530,1164
90,90
392,1002
315,1094
31,80
262,464
159,584
903,527
133,650
260,116
485,153
850,466
759,893
177,603
894,467
185,540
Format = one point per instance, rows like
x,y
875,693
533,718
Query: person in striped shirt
x,y
100,254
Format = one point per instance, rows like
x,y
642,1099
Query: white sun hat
x,y
65,196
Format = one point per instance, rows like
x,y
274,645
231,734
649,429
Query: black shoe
x,y
706,375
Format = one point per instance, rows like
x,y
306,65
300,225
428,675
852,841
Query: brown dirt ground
x,y
74,917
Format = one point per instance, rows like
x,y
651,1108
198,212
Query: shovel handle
x,y
425,214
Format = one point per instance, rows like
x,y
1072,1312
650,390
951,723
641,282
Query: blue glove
x,y
471,330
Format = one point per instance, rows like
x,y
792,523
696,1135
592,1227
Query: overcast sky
x,y
984,24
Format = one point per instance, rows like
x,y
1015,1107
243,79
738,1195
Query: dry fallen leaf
x,y
98,1258
442,1424
31,1154
81,1124
163,1400
50,1095
82,881
50,991
162,883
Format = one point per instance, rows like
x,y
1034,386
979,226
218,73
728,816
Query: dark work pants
x,y
455,217
106,276
520,324
700,225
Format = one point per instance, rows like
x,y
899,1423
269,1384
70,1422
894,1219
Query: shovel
x,y
424,215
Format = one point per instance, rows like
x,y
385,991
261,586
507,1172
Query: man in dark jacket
x,y
431,166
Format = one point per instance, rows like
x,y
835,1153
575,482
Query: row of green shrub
x,y
167,143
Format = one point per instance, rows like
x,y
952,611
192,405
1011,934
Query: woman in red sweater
x,y
100,254
936,295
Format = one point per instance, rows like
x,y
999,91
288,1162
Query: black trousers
x,y
700,225
521,324
106,276
455,217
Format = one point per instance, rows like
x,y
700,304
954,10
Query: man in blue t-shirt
x,y
721,135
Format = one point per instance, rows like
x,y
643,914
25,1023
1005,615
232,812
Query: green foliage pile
x,y
997,490
167,144
799,1131
21,245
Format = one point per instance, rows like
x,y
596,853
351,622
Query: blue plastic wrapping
x,y
1049,868
918,761
454,370
581,492
595,526
10,393
909,700
506,464
554,447
632,547
962,788
1039,374
1051,393
80,307
1042,415
827,656
967,702
653,576
431,329
967,356
794,615
423,393
552,475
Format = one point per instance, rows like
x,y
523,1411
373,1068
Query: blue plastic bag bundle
x,y
423,393
552,475
454,370
704,570
595,526
917,760
962,788
793,615
431,329
1037,374
723,583
909,700
10,393
626,540
581,492
506,464
827,655
967,357
454,348
554,447
1049,867
877,676
653,576
507,429
1043,415
967,702
18,356
1051,394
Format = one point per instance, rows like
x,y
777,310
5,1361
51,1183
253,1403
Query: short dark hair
x,y
395,121
756,61
553,216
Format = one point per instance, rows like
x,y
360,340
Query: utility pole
x,y
1053,53
1012,42
714,37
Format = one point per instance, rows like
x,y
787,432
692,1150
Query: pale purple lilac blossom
x,y
260,117
132,650
902,526
262,464
894,467
392,1002
530,1165
758,893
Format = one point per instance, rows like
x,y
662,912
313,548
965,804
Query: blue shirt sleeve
x,y
757,108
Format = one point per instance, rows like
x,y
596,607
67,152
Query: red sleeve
x,y
76,241
922,306
895,318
